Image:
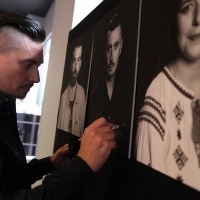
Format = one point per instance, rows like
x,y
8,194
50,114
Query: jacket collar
x,y
2,98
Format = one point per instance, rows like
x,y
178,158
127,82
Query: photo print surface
x,y
113,70
167,98
72,108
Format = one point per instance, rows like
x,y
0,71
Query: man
x,y
105,94
72,106
113,50
21,53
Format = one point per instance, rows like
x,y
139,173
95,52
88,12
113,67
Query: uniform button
x,y
6,99
8,113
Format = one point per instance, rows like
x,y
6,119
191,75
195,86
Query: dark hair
x,y
28,26
115,22
172,31
78,44
170,49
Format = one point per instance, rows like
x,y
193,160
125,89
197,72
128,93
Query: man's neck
x,y
72,91
110,85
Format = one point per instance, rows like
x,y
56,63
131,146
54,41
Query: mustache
x,y
111,64
74,72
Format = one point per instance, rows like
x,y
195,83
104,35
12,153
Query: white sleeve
x,y
150,146
142,144
150,138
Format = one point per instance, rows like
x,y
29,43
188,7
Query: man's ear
x,y
121,44
80,63
71,66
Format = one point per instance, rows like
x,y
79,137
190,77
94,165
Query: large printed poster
x,y
113,70
167,102
73,100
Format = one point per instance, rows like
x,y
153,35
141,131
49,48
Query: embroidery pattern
x,y
178,112
179,178
146,116
150,101
179,86
179,134
180,158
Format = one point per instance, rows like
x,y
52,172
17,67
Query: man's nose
x,y
75,64
111,53
34,75
196,19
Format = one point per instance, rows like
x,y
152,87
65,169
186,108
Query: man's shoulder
x,y
100,86
80,88
65,91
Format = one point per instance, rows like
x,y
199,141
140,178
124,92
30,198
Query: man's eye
x,y
116,45
108,48
28,65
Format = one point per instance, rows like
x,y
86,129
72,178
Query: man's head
x,y
21,53
114,42
76,62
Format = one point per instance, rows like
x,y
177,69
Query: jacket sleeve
x,y
59,185
38,168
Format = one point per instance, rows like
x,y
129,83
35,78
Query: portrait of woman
x,y
168,130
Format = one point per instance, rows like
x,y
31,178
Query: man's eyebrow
x,y
30,61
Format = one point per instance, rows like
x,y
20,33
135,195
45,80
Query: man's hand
x,y
96,144
61,157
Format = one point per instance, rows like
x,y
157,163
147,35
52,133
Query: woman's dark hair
x,y
172,31
30,27
169,49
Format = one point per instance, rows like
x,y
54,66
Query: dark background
x,y
34,7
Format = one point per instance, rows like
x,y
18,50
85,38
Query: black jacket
x,y
16,176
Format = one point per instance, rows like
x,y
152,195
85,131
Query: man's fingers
x,y
97,123
109,136
113,144
97,142
104,130
64,146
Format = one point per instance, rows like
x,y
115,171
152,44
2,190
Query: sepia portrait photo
x,y
168,127
113,70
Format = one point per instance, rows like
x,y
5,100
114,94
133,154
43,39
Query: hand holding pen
x,y
118,126
74,143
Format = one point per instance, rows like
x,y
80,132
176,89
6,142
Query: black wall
x,y
123,179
